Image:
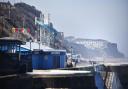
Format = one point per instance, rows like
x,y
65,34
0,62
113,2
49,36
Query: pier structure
x,y
114,74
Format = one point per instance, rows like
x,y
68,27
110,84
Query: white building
x,y
92,44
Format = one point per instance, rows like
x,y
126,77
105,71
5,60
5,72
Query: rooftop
x,y
37,46
10,40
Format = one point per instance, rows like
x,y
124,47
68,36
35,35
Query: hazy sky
x,y
102,19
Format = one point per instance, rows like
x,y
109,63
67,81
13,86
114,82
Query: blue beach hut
x,y
48,59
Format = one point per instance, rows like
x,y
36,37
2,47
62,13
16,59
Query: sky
x,y
95,19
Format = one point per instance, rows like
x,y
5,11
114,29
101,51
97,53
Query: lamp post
x,y
39,44
53,39
30,44
71,52
3,24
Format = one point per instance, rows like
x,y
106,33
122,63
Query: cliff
x,y
92,48
19,15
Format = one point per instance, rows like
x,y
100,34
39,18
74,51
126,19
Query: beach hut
x,y
51,59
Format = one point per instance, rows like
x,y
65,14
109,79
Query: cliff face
x,y
19,15
27,14
92,48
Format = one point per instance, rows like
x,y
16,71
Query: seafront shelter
x,y
10,60
48,59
